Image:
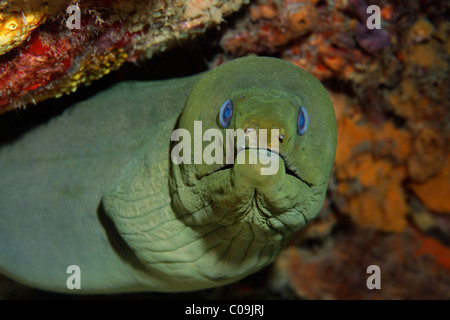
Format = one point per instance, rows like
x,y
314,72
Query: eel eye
x,y
12,26
225,113
302,121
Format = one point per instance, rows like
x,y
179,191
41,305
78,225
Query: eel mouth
x,y
290,170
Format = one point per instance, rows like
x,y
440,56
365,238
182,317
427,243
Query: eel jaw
x,y
289,168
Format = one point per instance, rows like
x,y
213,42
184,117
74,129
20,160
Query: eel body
x,y
98,187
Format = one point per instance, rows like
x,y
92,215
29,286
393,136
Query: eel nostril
x,y
281,138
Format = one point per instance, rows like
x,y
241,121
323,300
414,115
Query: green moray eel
x,y
97,187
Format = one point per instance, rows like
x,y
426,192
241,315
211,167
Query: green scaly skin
x,y
161,226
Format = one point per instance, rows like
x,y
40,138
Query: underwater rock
x,y
412,266
43,60
271,24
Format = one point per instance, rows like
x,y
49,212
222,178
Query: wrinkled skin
x,y
131,218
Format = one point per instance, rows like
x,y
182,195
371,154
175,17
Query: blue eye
x,y
225,113
302,121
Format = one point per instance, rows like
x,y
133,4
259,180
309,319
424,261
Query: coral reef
x,y
44,54
413,266
391,184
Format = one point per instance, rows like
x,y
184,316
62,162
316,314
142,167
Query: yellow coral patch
x,y
15,27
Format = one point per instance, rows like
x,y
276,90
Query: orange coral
x,y
387,12
372,164
428,158
373,172
435,192
372,184
435,250
381,204
266,10
393,143
413,266
335,63
349,136
421,30
410,104
426,56
304,20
